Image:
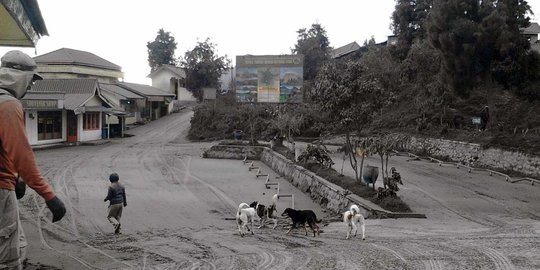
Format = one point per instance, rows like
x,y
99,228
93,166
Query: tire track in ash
x,y
224,198
500,261
474,192
391,251
456,212
267,259
44,242
421,254
296,256
153,144
63,188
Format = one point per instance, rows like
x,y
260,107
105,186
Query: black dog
x,y
302,217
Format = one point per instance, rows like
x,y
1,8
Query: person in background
x,y
117,198
17,72
484,118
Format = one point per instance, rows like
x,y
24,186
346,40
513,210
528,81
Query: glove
x,y
125,204
57,208
105,199
20,188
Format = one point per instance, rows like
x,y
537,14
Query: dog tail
x,y
274,199
242,206
354,209
346,216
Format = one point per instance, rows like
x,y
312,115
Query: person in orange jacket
x,y
17,72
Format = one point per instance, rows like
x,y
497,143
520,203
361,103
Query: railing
x,y
267,183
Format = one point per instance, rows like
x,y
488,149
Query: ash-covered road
x,y
180,210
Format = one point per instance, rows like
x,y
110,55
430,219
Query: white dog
x,y
245,217
353,218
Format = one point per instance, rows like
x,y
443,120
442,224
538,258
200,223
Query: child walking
x,y
117,198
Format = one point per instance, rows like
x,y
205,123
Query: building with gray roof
x,y
132,103
158,102
74,64
67,110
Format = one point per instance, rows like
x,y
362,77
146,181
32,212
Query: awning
x,y
102,109
21,23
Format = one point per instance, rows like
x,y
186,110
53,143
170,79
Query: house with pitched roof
x,y
66,110
158,103
74,64
531,33
133,104
171,79
344,50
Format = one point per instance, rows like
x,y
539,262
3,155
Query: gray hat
x,y
20,61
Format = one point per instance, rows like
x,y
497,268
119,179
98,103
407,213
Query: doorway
x,y
71,127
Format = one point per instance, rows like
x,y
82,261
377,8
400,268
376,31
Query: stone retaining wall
x,y
328,195
473,155
234,152
470,154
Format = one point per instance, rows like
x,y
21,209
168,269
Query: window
x,y
49,125
91,121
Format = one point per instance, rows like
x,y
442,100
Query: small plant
x,y
390,185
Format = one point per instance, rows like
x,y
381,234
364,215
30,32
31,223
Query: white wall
x,y
185,95
88,135
32,130
31,126
162,80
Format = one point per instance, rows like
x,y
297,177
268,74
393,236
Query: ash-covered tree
x,y
408,24
352,97
478,39
512,59
161,50
313,43
203,67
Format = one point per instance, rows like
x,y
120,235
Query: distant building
x,y
392,40
344,50
133,104
74,64
531,33
171,79
66,110
82,98
157,101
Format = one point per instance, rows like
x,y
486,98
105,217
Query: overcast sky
x,y
118,30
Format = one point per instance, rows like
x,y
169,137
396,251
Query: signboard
x,y
39,104
269,78
476,120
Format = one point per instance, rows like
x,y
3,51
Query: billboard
x,y
269,78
